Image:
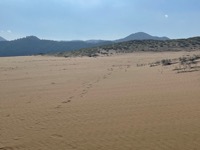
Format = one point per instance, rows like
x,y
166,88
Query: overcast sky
x,y
98,19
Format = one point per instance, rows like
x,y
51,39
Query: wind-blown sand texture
x,y
104,103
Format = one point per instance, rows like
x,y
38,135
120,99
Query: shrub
x,y
166,62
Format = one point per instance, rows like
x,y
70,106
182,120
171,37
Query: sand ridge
x,y
98,103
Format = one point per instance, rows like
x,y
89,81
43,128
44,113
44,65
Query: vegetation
x,y
166,62
182,64
190,44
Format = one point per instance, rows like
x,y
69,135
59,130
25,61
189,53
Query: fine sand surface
x,y
104,103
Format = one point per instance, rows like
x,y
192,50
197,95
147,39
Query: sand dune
x,y
104,103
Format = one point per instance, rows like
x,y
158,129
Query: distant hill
x,y
190,44
32,45
2,39
141,36
96,41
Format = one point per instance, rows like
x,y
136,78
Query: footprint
x,y
68,101
84,91
16,138
71,97
56,136
6,148
8,115
72,146
104,77
57,107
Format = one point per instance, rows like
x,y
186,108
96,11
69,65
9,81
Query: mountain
x,y
32,45
141,36
134,36
2,39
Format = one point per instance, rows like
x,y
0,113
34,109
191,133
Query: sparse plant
x,y
183,60
166,62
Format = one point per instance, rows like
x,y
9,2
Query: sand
x,y
104,103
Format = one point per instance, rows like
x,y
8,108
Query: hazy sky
x,y
98,19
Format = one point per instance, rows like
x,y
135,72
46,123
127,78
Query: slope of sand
x,y
105,103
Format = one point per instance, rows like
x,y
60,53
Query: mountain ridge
x,y
2,39
32,45
133,36
141,36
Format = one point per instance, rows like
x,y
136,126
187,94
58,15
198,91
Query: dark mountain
x,y
141,36
2,39
32,45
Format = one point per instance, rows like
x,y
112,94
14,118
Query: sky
x,y
98,19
